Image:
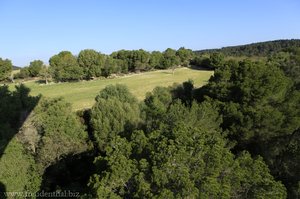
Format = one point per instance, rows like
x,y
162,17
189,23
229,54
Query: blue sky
x,y
38,29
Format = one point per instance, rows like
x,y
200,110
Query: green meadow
x,y
82,94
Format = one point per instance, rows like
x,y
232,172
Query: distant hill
x,y
16,68
255,49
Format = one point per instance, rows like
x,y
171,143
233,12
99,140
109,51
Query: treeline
x,y
91,64
261,49
236,137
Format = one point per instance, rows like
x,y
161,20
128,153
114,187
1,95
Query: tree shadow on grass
x,y
194,67
15,107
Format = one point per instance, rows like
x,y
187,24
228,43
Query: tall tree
x,y
170,59
45,73
216,60
91,62
155,59
116,112
35,67
185,55
64,67
5,69
260,110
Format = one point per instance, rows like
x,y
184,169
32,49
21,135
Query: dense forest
x,y
236,137
260,49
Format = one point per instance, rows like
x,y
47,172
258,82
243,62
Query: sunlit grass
x,y
82,94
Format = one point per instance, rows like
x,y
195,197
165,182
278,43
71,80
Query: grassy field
x,y
82,94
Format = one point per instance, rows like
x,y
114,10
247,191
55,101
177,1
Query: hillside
x,y
260,49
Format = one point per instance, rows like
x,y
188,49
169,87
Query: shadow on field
x,y
200,68
15,107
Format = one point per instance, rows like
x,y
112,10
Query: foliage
x,y
23,74
59,131
250,95
155,60
237,140
45,74
170,59
185,56
116,112
18,171
14,108
64,67
216,60
35,67
259,108
201,61
256,49
156,104
183,155
92,63
5,69
289,62
135,60
110,66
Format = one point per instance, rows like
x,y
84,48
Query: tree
x,y
116,112
289,62
45,73
155,59
184,92
216,60
59,132
185,56
110,66
135,60
5,69
141,60
155,107
24,73
91,62
258,104
170,59
17,168
251,95
202,61
185,157
35,67
64,67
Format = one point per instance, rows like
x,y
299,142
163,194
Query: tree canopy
x,y
5,69
91,62
183,155
64,67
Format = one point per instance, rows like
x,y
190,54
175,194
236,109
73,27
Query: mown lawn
x,y
82,94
